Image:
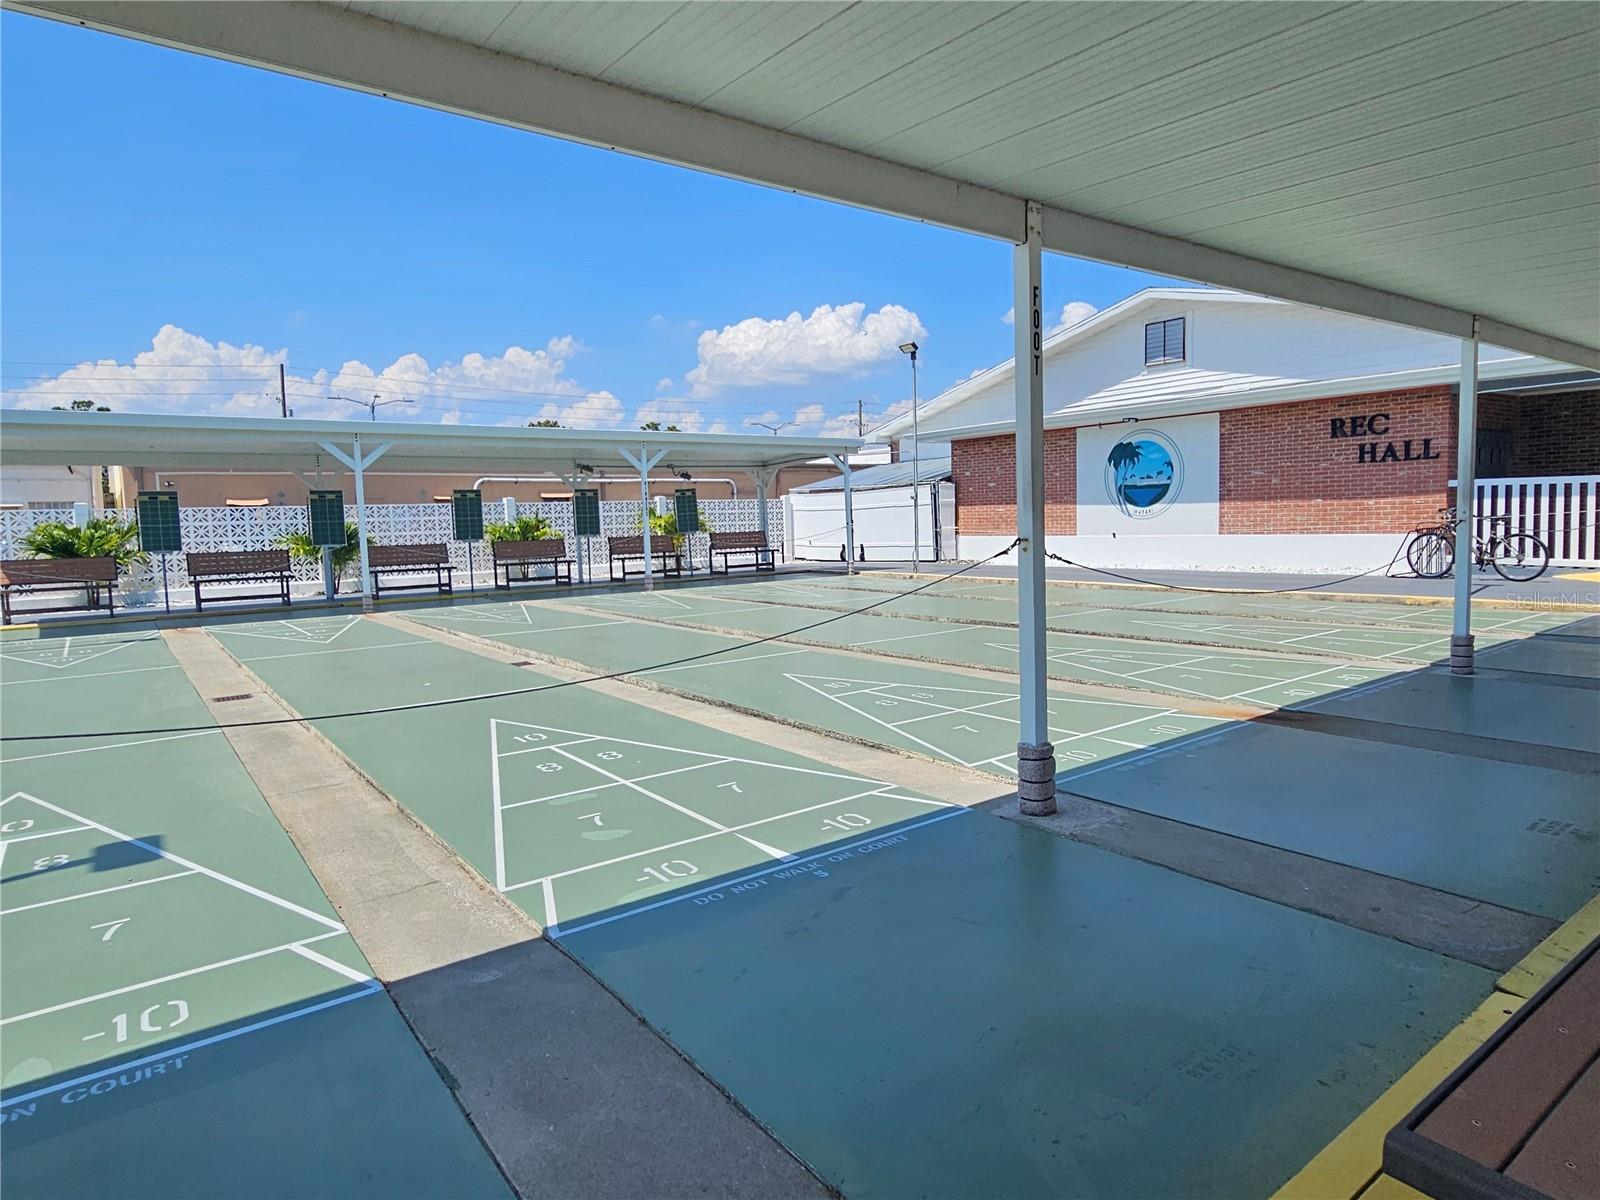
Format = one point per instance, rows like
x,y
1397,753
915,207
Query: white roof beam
x,y
332,45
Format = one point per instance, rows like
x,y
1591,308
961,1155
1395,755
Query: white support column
x,y
842,461
643,465
358,466
1036,763
765,477
1466,495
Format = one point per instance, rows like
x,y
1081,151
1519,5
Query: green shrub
x,y
522,529
666,525
299,545
102,536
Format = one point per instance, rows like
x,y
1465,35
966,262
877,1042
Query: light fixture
x,y
916,462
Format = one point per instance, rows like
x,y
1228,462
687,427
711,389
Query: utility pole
x,y
283,394
861,424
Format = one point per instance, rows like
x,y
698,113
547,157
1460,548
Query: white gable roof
x,y
1240,350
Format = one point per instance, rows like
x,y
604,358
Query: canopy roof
x,y
1418,163
53,438
889,475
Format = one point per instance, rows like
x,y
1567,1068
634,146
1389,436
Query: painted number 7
x,y
111,927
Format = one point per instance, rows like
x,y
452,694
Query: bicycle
x,y
1519,557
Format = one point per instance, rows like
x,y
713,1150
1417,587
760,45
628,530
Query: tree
x,y
655,427
544,423
101,537
300,545
81,406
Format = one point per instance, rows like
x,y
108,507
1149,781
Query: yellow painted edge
x,y
1351,1166
1586,576
1387,1187
1555,952
1350,1163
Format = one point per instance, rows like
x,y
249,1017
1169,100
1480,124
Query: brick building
x,y
1198,428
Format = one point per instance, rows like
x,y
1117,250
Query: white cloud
x,y
664,384
832,341
182,372
1072,312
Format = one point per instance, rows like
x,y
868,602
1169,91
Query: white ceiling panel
x,y
1426,162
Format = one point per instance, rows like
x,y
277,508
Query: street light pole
x,y
916,463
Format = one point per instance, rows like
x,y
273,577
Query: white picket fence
x,y
1562,511
224,528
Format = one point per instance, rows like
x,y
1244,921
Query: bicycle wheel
x,y
1431,554
1520,557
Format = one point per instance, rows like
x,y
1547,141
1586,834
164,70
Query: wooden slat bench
x,y
1520,1119
411,559
543,552
239,566
750,542
25,575
630,548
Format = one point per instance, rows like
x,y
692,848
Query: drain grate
x,y
226,699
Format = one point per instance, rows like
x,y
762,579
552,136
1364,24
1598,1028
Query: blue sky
x,y
214,219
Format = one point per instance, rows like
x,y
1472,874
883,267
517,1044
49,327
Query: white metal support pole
x,y
1036,763
643,465
916,473
842,461
1466,490
358,466
578,550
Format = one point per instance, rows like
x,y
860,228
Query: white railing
x,y
1562,511
226,528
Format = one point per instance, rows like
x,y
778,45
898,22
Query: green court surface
x,y
1261,679
979,1008
917,999
573,804
1305,607
938,713
169,968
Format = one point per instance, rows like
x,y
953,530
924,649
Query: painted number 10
x,y
847,821
676,869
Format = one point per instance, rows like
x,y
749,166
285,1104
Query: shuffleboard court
x,y
1339,635
575,805
1264,680
167,962
845,957
937,713
1301,607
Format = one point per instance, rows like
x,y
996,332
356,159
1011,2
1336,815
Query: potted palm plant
x,y
299,545
523,529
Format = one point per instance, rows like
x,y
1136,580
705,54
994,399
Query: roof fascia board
x,y
333,45
1316,389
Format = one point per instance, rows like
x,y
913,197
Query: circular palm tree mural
x,y
1144,473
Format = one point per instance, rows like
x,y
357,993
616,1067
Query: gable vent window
x,y
1163,342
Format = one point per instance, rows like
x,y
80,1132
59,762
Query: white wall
x,y
1307,554
57,486
1233,345
1189,506
883,524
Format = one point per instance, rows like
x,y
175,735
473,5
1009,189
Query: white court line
x,y
549,890
937,750
84,675
601,787
190,1047
903,637
121,887
66,662
672,804
720,662
701,837
520,632
248,889
638,745
421,641
833,848
334,965
134,987
171,737
30,837
1283,683
494,793
577,741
